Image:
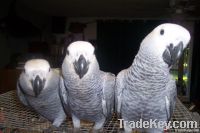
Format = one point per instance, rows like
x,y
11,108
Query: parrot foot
x,y
98,126
76,123
41,119
127,129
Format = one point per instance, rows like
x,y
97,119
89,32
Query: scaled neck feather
x,y
148,72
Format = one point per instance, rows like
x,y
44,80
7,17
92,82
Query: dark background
x,y
119,41
195,75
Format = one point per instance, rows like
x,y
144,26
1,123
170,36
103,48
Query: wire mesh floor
x,y
16,117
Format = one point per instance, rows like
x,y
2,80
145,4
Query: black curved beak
x,y
81,66
38,85
172,54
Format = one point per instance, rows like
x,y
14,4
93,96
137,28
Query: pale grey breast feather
x,y
85,96
142,82
143,75
48,103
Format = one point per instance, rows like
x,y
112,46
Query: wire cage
x,y
14,117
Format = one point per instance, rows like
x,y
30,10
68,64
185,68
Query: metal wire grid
x,y
181,113
13,115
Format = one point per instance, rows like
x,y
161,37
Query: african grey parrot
x,y
38,88
146,90
86,90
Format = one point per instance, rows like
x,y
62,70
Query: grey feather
x,y
146,90
142,93
64,96
171,99
21,95
108,93
48,103
85,96
89,96
118,91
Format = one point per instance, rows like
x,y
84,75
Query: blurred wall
x,y
4,50
90,31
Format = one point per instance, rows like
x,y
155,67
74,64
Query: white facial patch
x,y
37,67
80,47
173,33
163,36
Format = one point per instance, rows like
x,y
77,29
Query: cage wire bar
x,y
16,117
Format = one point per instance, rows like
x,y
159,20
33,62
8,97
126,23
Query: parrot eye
x,y
162,32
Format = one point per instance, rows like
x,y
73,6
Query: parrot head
x,y
36,71
167,42
80,54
